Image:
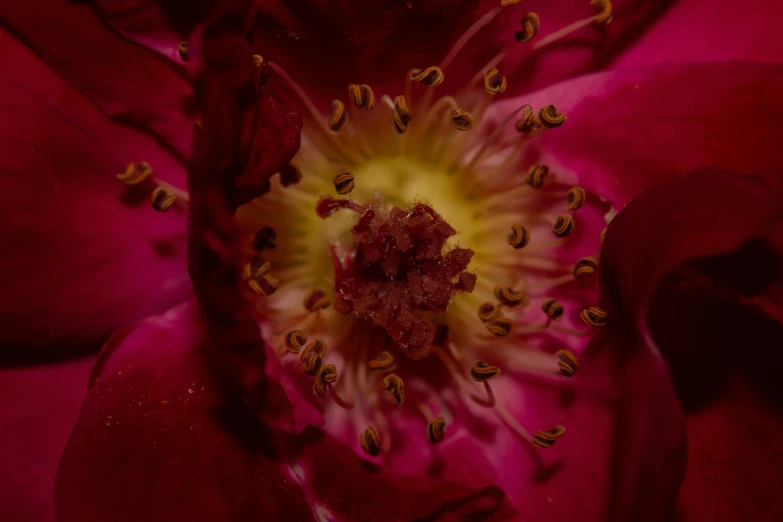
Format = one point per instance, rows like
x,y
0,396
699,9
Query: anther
x,y
508,296
344,183
258,60
535,176
316,300
575,198
162,199
507,3
294,340
551,117
461,119
266,238
264,285
395,387
482,372
436,430
585,268
383,363
494,82
182,50
370,441
317,347
339,116
256,267
552,308
566,360
528,122
289,175
326,375
362,96
499,327
431,76
312,363
593,316
605,14
518,237
443,335
530,26
563,226
488,312
402,114
135,173
546,438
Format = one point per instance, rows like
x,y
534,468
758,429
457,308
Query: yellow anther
x,y
339,116
402,114
443,335
436,430
362,96
508,296
461,119
316,300
482,372
593,316
264,285
256,267
507,3
295,340
431,76
326,375
605,11
530,26
550,117
317,347
566,360
499,327
552,308
370,441
182,50
494,82
395,388
518,237
546,438
258,60
265,239
528,122
535,176
312,363
135,173
575,198
488,312
344,183
563,226
585,268
162,199
383,363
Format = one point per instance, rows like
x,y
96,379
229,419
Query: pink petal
x,y
83,257
125,80
627,130
40,407
697,31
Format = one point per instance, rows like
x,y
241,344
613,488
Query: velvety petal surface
x,y
83,255
40,407
630,129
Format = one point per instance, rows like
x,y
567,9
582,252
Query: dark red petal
x,y
82,255
627,130
125,80
40,407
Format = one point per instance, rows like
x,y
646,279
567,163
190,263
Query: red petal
x,y
125,80
82,258
627,130
40,407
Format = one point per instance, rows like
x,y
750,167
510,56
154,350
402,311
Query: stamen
x,y
326,375
461,119
436,430
266,238
551,117
383,363
370,441
508,296
294,340
468,35
494,82
443,335
264,285
563,226
531,23
506,3
566,360
529,122
312,363
482,372
162,199
593,316
575,198
344,183
605,14
362,96
256,267
395,387
258,60
182,50
135,173
289,175
535,176
518,237
431,76
547,438
327,206
317,347
552,308
339,116
488,312
585,268
499,327
402,114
